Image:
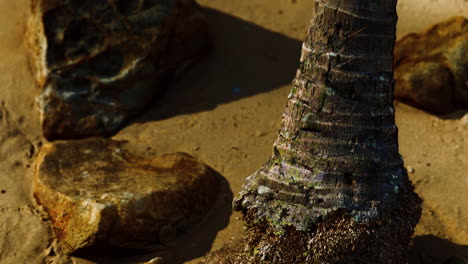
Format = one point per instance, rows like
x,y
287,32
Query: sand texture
x,y
225,111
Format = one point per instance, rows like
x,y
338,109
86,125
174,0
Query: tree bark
x,y
335,164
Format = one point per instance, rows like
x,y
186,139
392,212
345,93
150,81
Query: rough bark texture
x,y
336,158
99,63
338,240
98,195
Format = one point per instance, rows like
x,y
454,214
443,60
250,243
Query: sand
x,y
226,111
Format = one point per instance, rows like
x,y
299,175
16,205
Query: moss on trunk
x,y
336,181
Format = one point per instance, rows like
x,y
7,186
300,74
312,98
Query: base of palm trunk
x,y
338,239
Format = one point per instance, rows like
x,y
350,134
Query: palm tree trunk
x,y
336,183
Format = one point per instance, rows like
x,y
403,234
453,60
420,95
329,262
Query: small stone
x,y
158,260
464,120
2,191
431,68
100,63
410,169
125,201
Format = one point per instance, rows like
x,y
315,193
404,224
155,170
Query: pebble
x,y
157,260
464,120
410,169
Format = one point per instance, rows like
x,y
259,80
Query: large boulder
x,y
99,196
100,62
431,68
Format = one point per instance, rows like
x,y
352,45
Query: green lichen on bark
x,y
337,150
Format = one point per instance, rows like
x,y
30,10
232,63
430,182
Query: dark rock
x,y
431,68
98,195
456,260
99,63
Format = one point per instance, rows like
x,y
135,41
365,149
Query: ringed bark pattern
x,y
338,144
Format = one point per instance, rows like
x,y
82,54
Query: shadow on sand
x,y
454,116
433,250
246,59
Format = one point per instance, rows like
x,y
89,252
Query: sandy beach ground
x,y
225,111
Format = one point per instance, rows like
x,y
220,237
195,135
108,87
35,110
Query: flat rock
x,y
99,195
431,68
100,63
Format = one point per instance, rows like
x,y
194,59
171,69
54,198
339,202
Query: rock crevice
x,y
99,63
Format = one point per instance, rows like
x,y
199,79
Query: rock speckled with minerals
x,y
97,194
99,63
431,67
